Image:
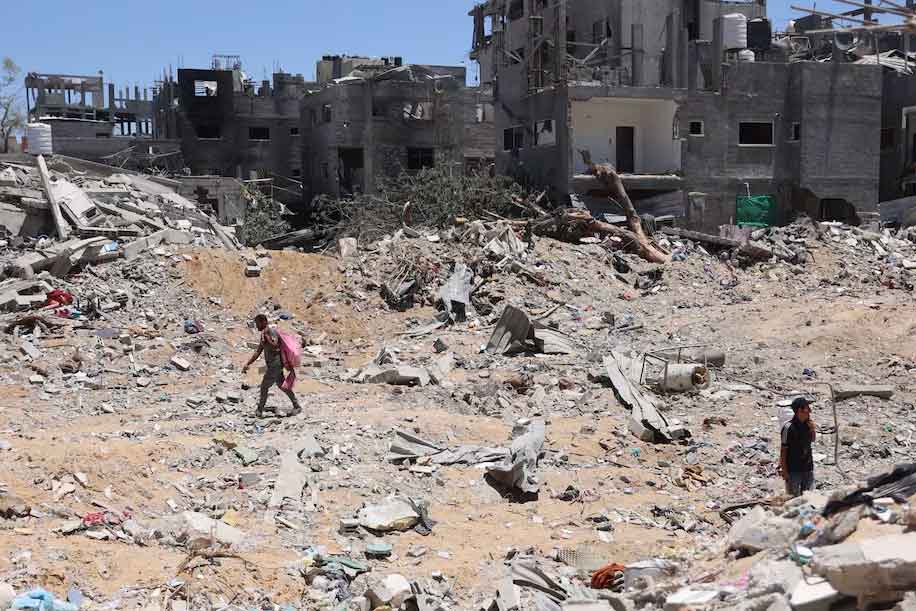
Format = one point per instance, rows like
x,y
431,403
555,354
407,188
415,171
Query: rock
x,y
180,363
394,514
840,527
12,507
873,566
780,576
197,524
910,518
7,594
760,530
392,591
252,271
37,380
378,550
585,605
246,455
907,604
359,603
813,595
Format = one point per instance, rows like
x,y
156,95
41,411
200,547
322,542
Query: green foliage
x,y
263,220
11,117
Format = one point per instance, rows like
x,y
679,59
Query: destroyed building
x,y
379,121
231,126
689,100
92,119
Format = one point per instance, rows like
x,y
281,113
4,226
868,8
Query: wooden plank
x,y
63,229
848,392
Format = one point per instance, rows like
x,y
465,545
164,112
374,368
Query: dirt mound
x,y
304,285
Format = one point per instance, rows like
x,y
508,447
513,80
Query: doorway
x,y
626,143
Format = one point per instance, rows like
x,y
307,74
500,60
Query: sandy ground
x,y
155,448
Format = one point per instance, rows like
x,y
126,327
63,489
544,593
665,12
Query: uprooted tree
x,y
433,197
573,224
11,117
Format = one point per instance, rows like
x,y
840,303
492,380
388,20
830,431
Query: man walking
x,y
273,358
796,463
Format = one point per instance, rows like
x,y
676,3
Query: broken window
x,y
513,138
544,134
205,89
378,109
326,113
418,111
417,159
888,138
259,133
795,132
755,133
293,131
696,128
297,173
516,9
208,132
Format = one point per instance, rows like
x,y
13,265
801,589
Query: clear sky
x,y
134,41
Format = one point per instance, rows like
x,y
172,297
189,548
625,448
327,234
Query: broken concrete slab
x,y
293,475
688,598
848,392
873,566
518,471
166,236
814,595
180,363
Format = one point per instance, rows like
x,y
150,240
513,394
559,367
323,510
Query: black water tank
x,y
759,34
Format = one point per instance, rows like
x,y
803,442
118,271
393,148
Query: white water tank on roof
x,y
39,138
734,31
746,55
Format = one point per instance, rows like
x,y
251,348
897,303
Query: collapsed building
x,y
692,101
380,120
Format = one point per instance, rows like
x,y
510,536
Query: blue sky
x,y
133,41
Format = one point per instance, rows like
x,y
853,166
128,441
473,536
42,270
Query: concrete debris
x,y
871,567
391,591
760,530
517,472
195,525
396,513
515,332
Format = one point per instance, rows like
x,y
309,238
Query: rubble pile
x,y
492,419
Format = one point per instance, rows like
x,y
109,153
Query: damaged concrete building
x,y
689,99
92,119
383,118
231,126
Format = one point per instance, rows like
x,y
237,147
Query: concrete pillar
x,y
638,54
668,74
111,99
683,57
717,54
693,66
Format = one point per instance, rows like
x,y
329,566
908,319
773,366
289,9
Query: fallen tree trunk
x,y
638,241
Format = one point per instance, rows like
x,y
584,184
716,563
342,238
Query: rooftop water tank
x,y
746,55
39,137
734,31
